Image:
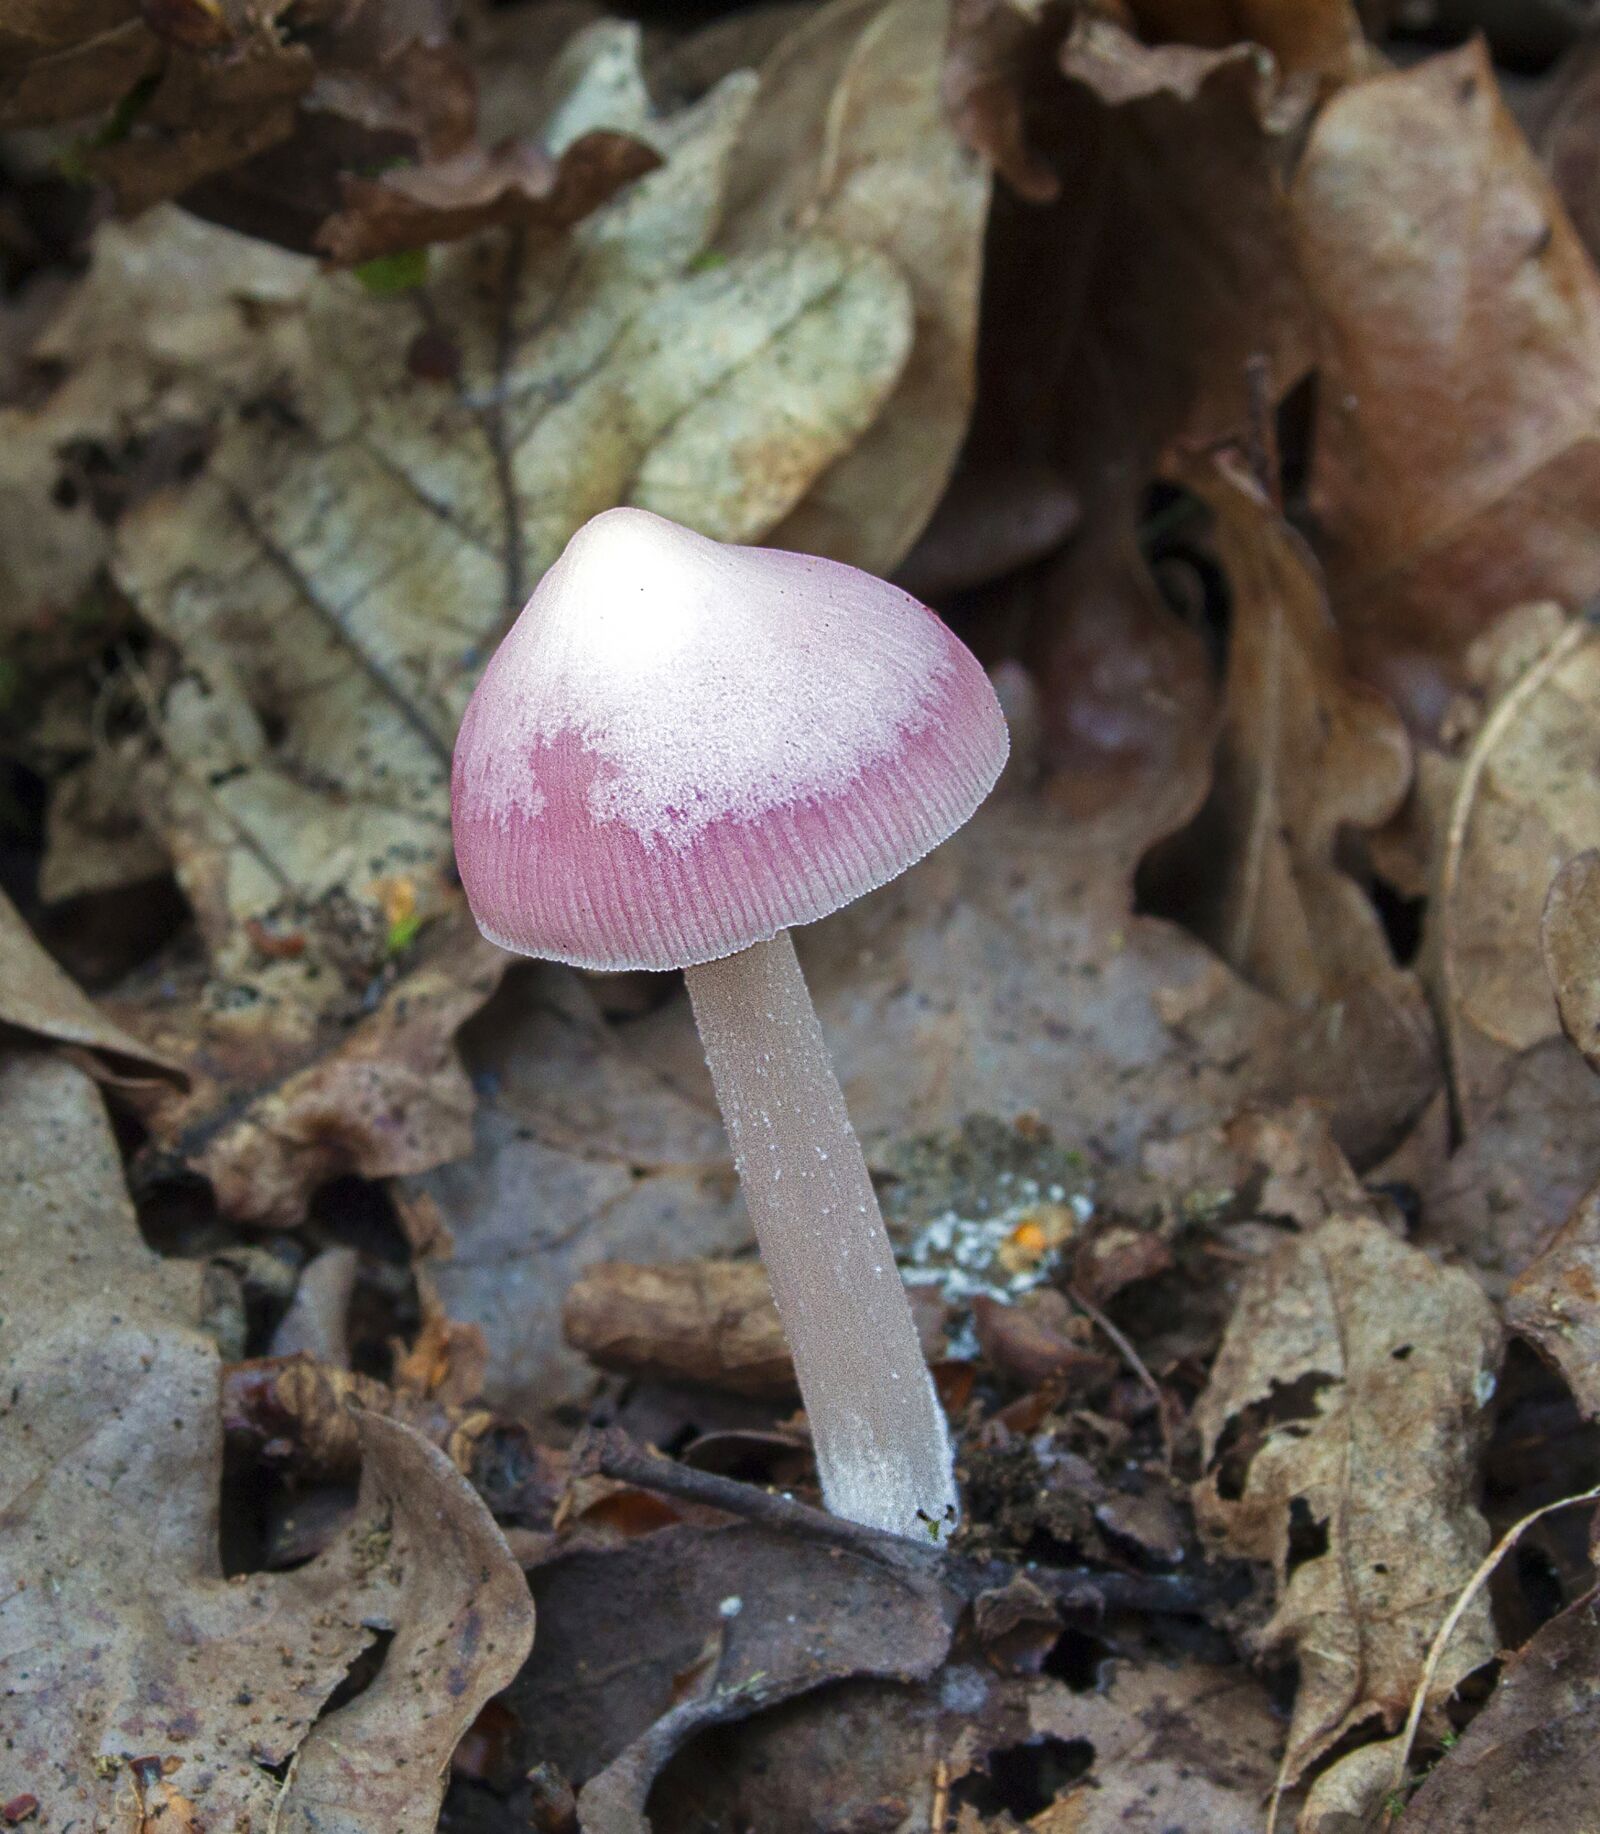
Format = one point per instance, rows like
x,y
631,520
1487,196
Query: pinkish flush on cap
x,y
681,750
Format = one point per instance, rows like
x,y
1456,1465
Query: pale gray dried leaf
x,y
121,1637
1341,1427
852,138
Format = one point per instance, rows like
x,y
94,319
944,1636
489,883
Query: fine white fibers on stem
x,y
883,1448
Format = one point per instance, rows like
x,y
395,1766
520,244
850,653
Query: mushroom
x,y
680,750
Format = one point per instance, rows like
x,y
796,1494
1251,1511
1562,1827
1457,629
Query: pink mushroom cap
x,y
682,748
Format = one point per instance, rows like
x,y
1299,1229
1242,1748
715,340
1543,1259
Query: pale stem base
x,y
883,1448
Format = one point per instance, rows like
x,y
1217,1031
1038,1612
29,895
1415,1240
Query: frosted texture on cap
x,y
682,748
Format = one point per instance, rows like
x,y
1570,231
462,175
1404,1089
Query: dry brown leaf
x,y
39,997
1530,1762
1496,1201
272,1112
121,1638
737,1619
1341,1428
1556,1302
1571,937
1321,38
1151,1747
1526,800
1281,1163
1456,471
308,1416
515,185
998,54
462,1625
710,1322
1306,757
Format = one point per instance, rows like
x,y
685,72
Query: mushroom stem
x,y
883,1449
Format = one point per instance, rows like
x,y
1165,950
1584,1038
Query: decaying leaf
x,y
1526,801
1496,1201
379,1091
1341,1427
37,996
1531,1760
1456,471
514,186
308,1416
1571,937
1556,1302
1306,755
737,1619
462,1623
122,1640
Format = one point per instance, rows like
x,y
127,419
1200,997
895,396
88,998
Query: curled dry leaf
x,y
37,996
1571,937
1341,1427
515,185
1456,471
1307,755
119,1631
296,1412
462,1625
1556,1302
1320,38
1531,1759
998,57
377,1093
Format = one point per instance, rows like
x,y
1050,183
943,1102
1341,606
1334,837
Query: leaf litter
x,y
1228,1079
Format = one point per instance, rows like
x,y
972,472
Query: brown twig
x,y
610,1452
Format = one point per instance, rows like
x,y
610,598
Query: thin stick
x,y
1135,1362
1447,1629
612,1453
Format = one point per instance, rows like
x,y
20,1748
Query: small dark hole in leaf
x,y
361,1673
1308,1536
1025,1779
1540,1582
1402,919
64,494
1297,430
1401,1353
1248,1430
1075,1658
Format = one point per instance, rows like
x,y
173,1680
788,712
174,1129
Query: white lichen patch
x,y
1000,1254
